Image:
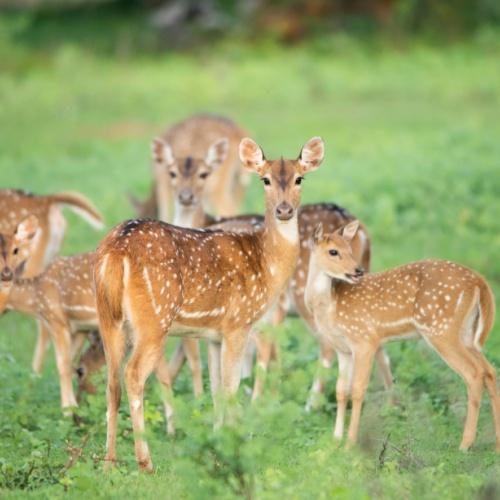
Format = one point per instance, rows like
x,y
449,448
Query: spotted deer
x,y
162,279
448,305
189,141
16,205
188,182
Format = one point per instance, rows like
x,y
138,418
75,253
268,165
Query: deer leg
x,y
77,342
363,355
462,361
343,389
62,347
42,344
264,349
177,361
113,339
192,351
318,387
163,376
384,367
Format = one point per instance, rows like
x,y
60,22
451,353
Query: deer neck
x,y
191,217
23,296
281,245
318,291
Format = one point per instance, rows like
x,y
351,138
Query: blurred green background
x,y
406,95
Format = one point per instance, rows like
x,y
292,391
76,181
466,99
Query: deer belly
x,y
180,330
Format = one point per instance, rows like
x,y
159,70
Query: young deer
x,y
188,181
162,279
189,141
448,305
16,205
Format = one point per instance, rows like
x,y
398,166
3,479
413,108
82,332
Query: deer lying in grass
x,y
16,205
188,182
189,141
448,305
161,279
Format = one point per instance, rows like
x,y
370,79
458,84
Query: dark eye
x,y
173,175
203,175
333,252
298,181
266,181
16,251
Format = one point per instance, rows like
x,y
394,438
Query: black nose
x,y
80,371
359,271
6,274
284,211
186,197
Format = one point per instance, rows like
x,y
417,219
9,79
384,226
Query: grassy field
x,y
413,149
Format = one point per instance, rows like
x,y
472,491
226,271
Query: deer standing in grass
x,y
15,206
189,141
448,305
188,181
161,279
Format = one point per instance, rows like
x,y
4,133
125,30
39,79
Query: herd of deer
x,y
222,278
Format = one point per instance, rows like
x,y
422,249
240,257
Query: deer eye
x,y
203,175
266,181
173,175
298,181
15,251
333,252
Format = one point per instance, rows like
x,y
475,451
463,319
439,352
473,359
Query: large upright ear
x,y
162,152
318,233
312,154
217,153
349,230
26,229
252,156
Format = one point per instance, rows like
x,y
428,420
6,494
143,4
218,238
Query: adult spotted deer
x,y
16,205
448,305
189,141
188,182
161,279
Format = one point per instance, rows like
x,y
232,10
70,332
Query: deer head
x,y
282,178
15,250
333,253
188,176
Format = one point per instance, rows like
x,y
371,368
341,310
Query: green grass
x,y
412,149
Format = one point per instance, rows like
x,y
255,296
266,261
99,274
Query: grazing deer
x,y
189,141
16,205
188,182
448,305
161,279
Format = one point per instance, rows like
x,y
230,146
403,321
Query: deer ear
x,y
312,154
318,233
252,156
217,153
26,229
349,231
162,152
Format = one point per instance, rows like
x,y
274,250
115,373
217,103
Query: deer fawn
x,y
189,141
188,182
162,279
15,205
450,306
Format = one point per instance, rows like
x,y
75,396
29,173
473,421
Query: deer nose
x,y
359,271
80,371
186,197
284,211
6,274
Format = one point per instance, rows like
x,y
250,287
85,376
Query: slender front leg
x,y
42,344
214,374
318,387
343,389
62,346
192,351
264,349
163,376
362,367
384,366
